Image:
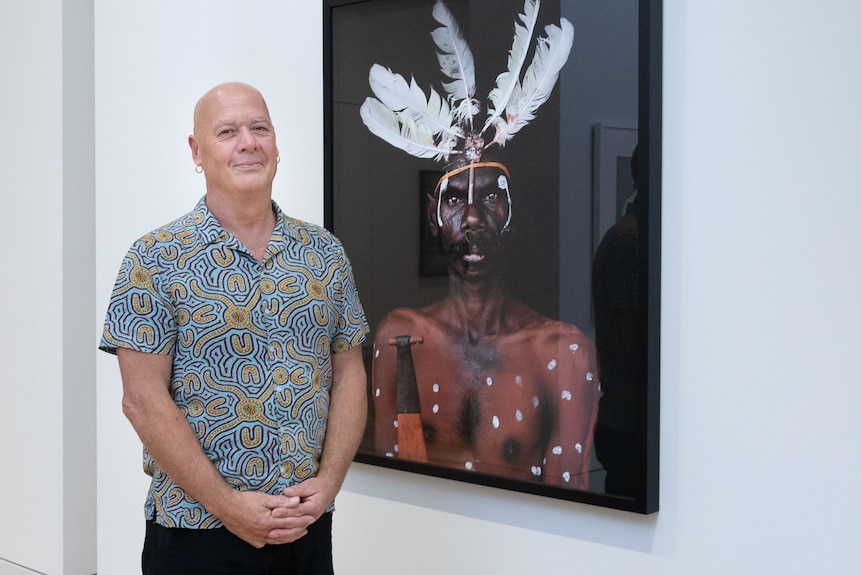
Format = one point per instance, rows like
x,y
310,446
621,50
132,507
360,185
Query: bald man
x,y
238,330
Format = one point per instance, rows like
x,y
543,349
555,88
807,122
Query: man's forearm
x,y
348,410
164,430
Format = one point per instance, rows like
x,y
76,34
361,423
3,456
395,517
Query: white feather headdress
x,y
434,126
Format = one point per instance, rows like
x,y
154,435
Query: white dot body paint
x,y
574,347
435,388
495,421
518,415
535,401
566,394
489,381
468,465
377,392
579,448
590,376
566,476
518,379
552,364
396,448
537,471
395,424
390,454
436,408
376,353
557,450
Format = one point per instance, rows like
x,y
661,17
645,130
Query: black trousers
x,y
219,552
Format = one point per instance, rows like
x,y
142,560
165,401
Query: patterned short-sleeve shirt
x,y
251,345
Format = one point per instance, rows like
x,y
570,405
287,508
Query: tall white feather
x,y
508,81
456,62
551,54
432,113
402,132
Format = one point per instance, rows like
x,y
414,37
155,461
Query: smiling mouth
x,y
473,258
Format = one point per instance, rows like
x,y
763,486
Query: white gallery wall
x,y
761,389
47,383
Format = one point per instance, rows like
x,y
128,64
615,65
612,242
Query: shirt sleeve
x,y
352,326
140,315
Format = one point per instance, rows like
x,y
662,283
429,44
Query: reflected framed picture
x,y
514,319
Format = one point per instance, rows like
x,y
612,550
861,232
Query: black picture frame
x,y
373,192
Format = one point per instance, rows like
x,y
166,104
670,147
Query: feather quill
x,y
396,94
402,132
552,51
507,82
456,62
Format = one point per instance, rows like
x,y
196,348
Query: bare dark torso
x,y
520,403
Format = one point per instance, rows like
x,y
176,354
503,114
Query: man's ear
x,y
431,214
193,144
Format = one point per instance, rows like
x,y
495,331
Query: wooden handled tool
x,y
411,438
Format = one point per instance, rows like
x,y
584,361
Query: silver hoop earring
x,y
277,159
199,169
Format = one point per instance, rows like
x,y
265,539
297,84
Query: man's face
x,y
234,140
472,216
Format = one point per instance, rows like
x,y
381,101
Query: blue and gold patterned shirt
x,y
251,345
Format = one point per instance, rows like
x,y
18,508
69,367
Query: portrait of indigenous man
x,y
479,380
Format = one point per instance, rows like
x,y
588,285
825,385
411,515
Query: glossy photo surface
x,y
492,169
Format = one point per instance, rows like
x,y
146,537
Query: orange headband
x,y
447,175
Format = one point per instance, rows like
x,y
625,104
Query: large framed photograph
x,y
511,285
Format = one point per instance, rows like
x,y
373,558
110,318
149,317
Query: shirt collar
x,y
209,230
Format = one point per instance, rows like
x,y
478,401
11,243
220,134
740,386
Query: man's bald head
x,y
214,98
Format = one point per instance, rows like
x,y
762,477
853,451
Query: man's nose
x,y
472,217
247,140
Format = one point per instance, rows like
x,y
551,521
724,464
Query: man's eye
x,y
261,128
226,132
491,197
453,201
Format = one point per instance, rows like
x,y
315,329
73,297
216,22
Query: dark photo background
x,y
375,191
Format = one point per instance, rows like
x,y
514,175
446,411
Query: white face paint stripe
x,y
470,186
443,186
503,184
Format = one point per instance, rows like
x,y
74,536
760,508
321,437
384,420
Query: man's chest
x,y
486,407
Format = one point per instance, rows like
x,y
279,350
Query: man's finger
x,y
279,536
